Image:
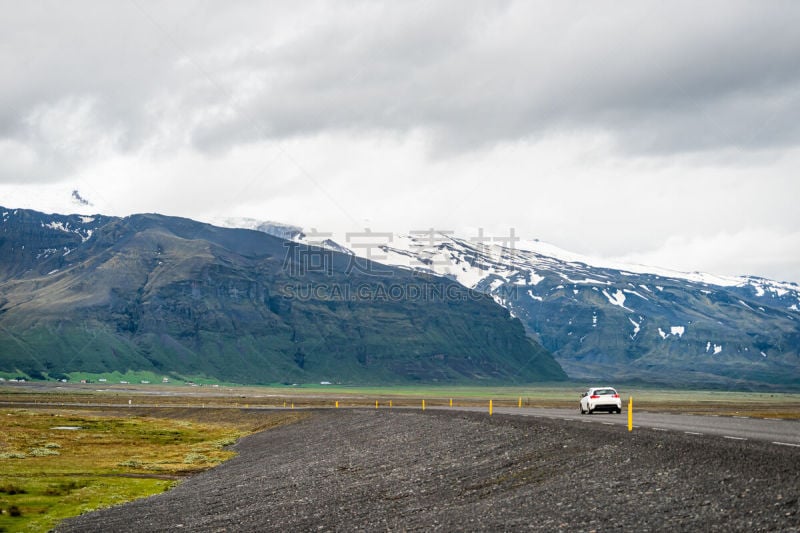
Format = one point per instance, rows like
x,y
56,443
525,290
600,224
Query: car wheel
x,y
589,410
581,409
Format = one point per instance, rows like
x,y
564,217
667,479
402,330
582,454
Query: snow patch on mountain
x,y
534,278
469,277
84,233
674,331
636,327
678,331
496,284
718,348
618,299
56,226
635,293
585,281
747,306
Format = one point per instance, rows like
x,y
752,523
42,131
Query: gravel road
x,y
399,470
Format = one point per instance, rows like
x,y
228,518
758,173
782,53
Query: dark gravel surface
x,y
408,470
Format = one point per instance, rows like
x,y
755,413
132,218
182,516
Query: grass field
x,y
60,462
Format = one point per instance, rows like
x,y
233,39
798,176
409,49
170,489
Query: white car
x,y
601,399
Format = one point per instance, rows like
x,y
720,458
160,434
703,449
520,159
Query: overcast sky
x,y
663,133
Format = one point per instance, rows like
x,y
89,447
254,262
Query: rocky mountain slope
x,y
182,298
626,322
613,322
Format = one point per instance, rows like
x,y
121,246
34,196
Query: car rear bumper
x,y
611,407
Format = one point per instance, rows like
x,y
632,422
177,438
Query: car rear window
x,y
604,392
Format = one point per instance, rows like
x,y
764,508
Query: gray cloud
x,y
659,78
662,80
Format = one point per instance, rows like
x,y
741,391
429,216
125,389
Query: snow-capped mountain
x,y
602,320
610,321
628,322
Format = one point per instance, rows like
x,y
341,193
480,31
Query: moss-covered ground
x,y
57,462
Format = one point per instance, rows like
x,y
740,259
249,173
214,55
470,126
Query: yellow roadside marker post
x,y
630,414
519,404
376,404
423,405
337,404
390,403
490,407
451,402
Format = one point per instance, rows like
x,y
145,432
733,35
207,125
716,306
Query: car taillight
x,y
594,396
615,396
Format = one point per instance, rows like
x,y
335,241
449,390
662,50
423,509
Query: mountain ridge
x,y
174,296
609,321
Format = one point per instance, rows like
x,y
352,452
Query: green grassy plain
x,y
57,462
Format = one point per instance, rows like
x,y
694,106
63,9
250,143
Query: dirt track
x,y
408,470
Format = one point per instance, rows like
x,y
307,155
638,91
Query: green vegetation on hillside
x,y
160,296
